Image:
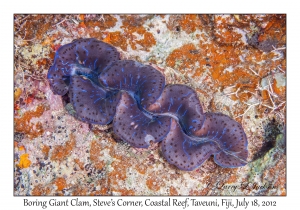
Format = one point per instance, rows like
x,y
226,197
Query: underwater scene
x,y
189,104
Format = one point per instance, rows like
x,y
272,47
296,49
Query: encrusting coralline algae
x,y
56,154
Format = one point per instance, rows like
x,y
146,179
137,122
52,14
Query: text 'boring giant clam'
x,y
134,97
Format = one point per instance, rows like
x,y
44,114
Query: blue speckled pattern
x,y
104,89
91,102
145,82
136,127
83,56
182,102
